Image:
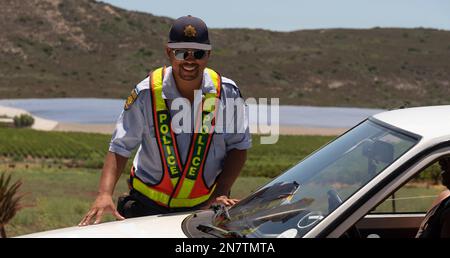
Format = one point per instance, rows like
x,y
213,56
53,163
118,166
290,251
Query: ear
x,y
168,52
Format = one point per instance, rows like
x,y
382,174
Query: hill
x,y
84,48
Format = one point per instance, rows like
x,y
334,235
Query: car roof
x,y
430,122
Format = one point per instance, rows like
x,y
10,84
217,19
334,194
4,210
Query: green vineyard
x,y
88,150
21,144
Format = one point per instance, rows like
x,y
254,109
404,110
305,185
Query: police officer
x,y
174,170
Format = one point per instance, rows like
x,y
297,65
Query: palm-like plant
x,y
9,201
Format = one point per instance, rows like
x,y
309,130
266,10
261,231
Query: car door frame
x,y
378,189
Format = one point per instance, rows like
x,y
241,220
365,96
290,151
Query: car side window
x,y
416,196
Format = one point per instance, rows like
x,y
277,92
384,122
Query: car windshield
x,y
293,203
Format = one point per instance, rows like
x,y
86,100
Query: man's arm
x,y
112,169
125,138
237,141
234,161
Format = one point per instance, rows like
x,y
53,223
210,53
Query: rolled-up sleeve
x,y
240,141
129,128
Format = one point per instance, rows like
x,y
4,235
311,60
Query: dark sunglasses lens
x,y
180,54
199,54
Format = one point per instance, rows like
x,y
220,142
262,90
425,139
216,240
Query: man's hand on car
x,y
102,204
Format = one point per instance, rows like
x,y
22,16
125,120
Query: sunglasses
x,y
183,54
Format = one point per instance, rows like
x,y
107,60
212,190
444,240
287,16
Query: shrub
x,y
23,120
9,201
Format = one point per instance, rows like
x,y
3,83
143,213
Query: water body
x,y
106,111
71,110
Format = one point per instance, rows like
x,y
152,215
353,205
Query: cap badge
x,y
189,31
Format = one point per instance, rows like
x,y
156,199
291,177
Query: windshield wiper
x,y
212,230
220,210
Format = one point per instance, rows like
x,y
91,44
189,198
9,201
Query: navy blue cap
x,y
189,32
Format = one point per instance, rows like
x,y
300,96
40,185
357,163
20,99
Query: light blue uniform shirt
x,y
135,128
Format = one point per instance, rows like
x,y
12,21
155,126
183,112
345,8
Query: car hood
x,y
158,226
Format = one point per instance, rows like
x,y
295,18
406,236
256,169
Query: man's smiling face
x,y
188,64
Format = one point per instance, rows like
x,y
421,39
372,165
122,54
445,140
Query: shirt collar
x,y
170,91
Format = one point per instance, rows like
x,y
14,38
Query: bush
x,y
9,201
23,120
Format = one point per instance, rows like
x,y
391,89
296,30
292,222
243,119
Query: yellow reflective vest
x,y
182,185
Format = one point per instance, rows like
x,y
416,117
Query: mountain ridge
x,y
84,48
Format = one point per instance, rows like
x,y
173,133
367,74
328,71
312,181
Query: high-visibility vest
x,y
182,185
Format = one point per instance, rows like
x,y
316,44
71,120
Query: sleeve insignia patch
x,y
131,99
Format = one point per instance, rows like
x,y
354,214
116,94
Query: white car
x,y
330,193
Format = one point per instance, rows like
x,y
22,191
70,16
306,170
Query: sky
x,y
289,15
